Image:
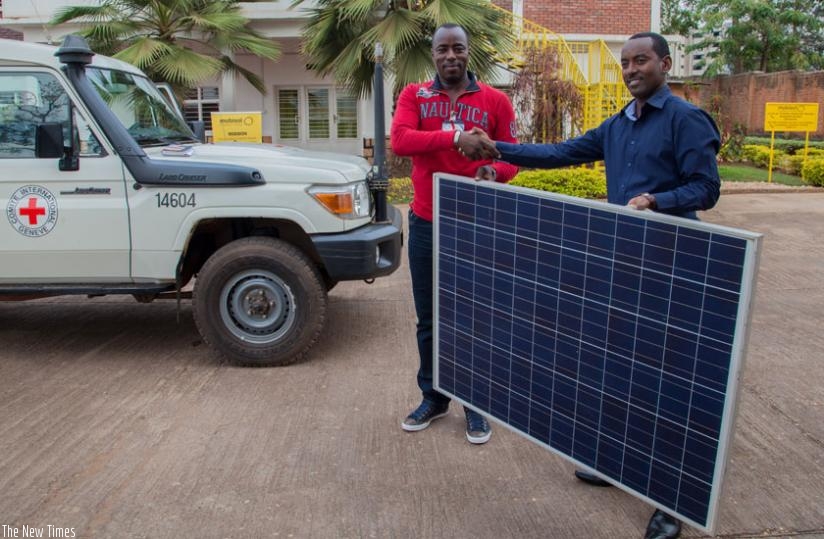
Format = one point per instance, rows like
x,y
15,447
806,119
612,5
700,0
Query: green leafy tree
x,y
340,37
748,35
182,42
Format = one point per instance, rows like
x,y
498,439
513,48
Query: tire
x,y
259,302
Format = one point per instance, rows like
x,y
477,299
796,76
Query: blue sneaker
x,y
478,430
423,415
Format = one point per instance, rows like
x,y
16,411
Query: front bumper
x,y
371,251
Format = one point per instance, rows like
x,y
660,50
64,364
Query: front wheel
x,y
260,302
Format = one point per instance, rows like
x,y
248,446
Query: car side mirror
x,y
50,144
198,127
48,140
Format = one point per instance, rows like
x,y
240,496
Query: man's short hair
x,y
659,43
449,26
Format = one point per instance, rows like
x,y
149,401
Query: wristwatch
x,y
651,198
456,137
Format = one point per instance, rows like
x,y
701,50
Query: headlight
x,y
346,201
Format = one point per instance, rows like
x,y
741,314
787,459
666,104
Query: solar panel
x,y
610,336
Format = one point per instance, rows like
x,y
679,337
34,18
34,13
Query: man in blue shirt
x,y
659,153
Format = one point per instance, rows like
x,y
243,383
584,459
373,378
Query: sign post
x,y
789,117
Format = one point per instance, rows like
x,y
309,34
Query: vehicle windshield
x,y
140,107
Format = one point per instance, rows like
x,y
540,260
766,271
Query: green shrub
x,y
759,155
731,144
399,191
813,172
579,182
791,146
790,164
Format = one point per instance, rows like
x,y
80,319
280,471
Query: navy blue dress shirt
x,y
668,152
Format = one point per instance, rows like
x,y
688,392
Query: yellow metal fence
x,y
591,66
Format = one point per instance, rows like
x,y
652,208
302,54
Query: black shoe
x,y
423,415
591,479
662,526
478,430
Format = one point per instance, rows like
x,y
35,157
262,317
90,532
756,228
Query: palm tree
x,y
340,36
182,42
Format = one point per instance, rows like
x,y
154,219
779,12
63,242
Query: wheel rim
x,y
257,307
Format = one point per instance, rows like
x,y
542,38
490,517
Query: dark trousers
x,y
421,269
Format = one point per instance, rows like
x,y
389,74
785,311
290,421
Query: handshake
x,y
476,145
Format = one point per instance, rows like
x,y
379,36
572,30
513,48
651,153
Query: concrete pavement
x,y
115,421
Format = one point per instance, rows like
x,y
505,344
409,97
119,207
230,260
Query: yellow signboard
x,y
791,117
237,127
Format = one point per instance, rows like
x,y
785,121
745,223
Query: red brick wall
x,y
742,97
594,17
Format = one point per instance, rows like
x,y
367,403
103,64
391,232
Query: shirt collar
x,y
657,100
472,87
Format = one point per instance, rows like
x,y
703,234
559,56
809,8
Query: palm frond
x,y
161,36
220,22
81,13
237,70
412,65
467,13
187,67
143,52
397,30
321,28
257,45
358,10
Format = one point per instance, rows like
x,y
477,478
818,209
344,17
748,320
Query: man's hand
x,y
486,172
476,145
643,202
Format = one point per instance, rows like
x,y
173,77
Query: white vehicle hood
x,y
276,163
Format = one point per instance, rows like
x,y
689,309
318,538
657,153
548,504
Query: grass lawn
x,y
746,173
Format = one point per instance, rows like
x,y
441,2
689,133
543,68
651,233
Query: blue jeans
x,y
421,269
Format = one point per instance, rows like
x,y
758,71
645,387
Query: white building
x,y
299,109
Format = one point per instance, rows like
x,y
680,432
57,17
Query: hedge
x,y
785,145
759,155
813,172
579,182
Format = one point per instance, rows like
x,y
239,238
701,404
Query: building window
x,y
346,119
308,114
288,114
318,113
200,103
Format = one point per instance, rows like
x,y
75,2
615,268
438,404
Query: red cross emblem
x,y
32,211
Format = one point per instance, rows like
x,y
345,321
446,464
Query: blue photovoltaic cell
x,y
610,336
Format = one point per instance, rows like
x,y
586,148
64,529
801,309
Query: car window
x,y
28,99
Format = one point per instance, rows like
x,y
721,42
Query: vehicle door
x,y
61,226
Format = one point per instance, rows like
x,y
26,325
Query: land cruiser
x,y
107,191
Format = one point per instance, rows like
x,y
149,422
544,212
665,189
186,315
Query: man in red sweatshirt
x,y
427,125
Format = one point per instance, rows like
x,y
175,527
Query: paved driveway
x,y
116,421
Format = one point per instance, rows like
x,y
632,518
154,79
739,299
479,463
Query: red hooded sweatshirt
x,y
424,126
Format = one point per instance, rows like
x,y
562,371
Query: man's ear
x,y
667,64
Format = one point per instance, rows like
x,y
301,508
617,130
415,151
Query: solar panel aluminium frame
x,y
746,284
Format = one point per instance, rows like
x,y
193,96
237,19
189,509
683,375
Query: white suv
x,y
107,191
